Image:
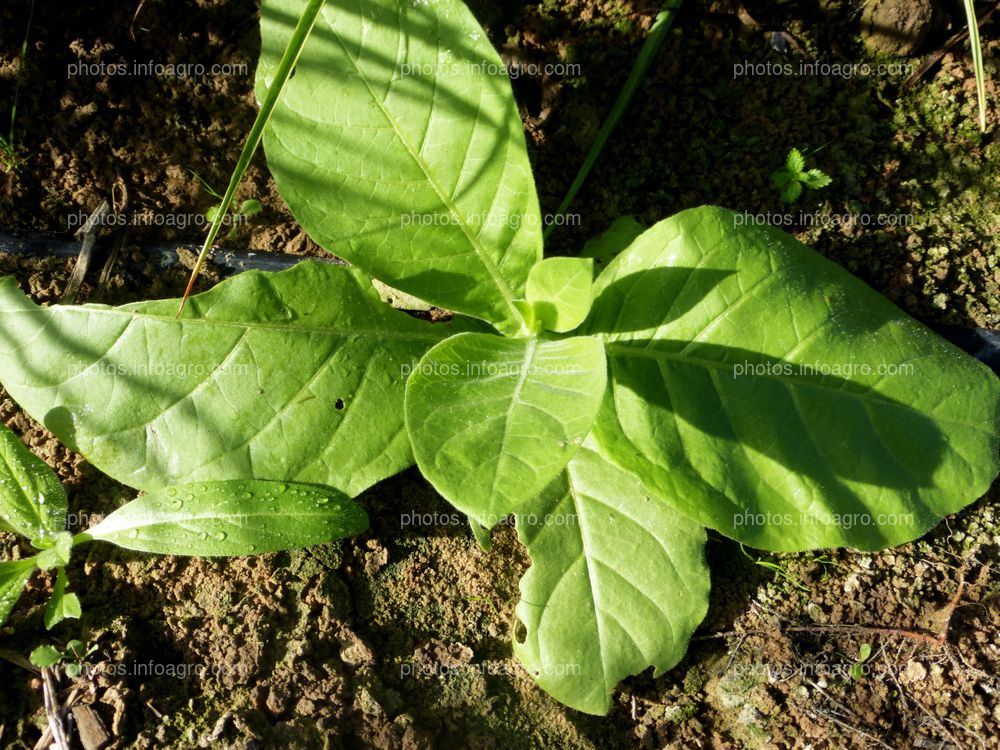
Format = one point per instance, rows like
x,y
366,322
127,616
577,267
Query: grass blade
x,y
977,61
285,67
658,32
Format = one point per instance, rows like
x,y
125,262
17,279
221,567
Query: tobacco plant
x,y
716,374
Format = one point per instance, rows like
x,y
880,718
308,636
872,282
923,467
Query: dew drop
x,y
172,492
220,536
189,497
133,534
203,535
282,488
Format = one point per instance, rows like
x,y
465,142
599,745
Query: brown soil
x,y
400,638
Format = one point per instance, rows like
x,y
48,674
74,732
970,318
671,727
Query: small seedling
x,y
793,177
780,570
72,657
10,152
858,667
248,208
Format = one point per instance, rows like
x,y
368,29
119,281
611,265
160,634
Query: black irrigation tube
x,y
981,343
162,254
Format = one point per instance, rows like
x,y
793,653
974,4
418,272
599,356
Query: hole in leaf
x,y
520,632
338,404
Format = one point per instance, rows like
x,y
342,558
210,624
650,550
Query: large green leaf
x,y
291,376
617,583
397,145
14,575
224,519
32,499
493,421
771,395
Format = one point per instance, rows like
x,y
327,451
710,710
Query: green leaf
x,y
770,395
296,376
792,192
62,605
32,500
398,146
816,179
795,162
612,241
865,652
250,207
212,212
481,535
56,552
14,575
561,289
617,583
493,421
45,656
223,519
782,178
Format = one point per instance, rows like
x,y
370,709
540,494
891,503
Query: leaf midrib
x,y
473,240
381,333
35,509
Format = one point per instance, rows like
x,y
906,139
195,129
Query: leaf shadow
x,y
779,426
650,298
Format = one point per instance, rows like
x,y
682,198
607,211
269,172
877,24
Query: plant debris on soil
x,y
400,638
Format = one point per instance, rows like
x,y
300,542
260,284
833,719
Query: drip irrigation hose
x,y
981,343
162,254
